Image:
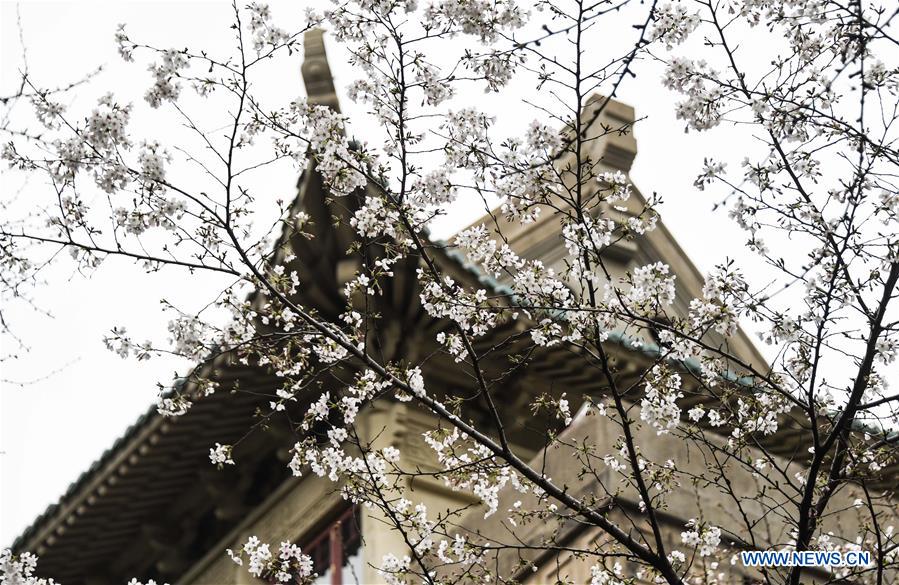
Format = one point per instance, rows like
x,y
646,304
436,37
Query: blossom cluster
x,y
673,24
288,565
706,538
19,569
472,466
324,129
659,407
701,109
166,87
265,34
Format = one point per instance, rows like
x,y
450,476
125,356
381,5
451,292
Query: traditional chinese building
x,y
153,507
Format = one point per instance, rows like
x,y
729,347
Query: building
x,y
154,507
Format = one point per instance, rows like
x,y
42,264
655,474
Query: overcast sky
x,y
67,399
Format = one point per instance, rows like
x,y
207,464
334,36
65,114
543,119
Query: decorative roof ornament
x,y
614,121
316,71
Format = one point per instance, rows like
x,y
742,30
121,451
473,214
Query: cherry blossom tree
x,y
810,85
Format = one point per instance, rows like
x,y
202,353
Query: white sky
x,y
84,397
